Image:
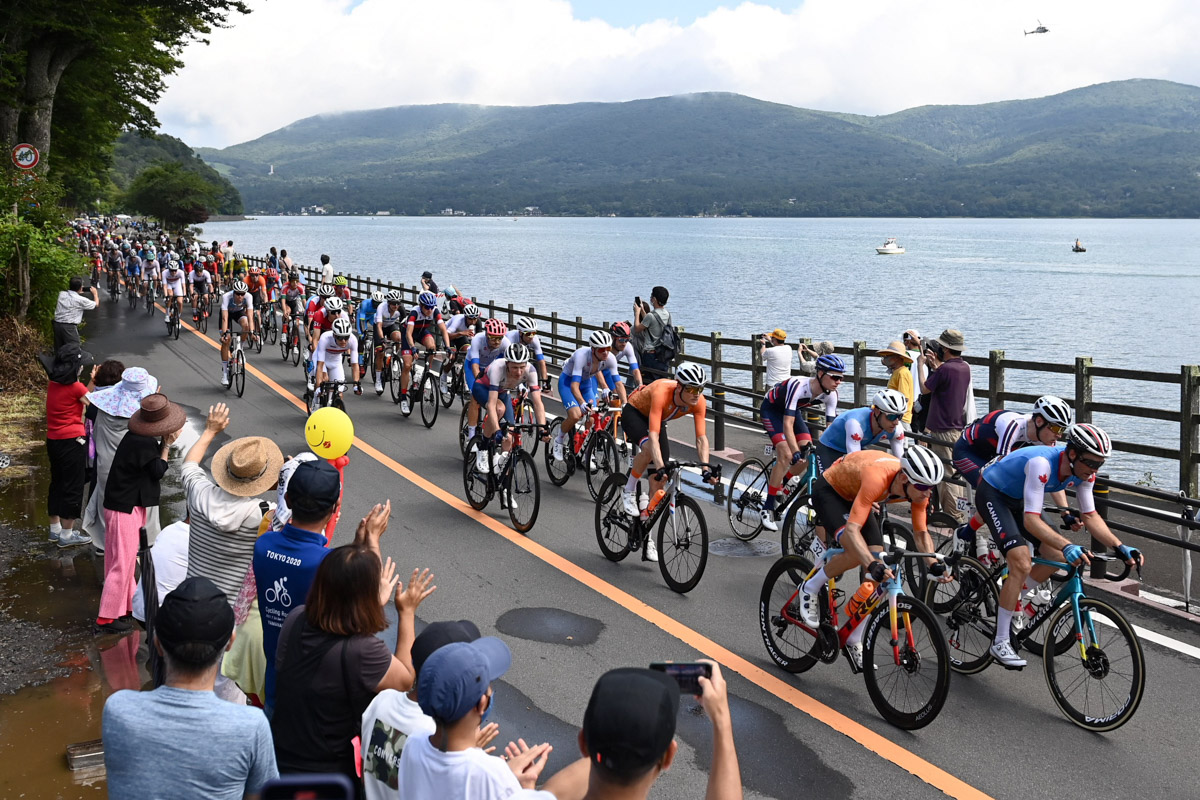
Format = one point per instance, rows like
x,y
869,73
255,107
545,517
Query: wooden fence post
x,y
578,332
511,318
1189,391
554,330
860,374
757,374
995,379
1083,389
682,347
718,392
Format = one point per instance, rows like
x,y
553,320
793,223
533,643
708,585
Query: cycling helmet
x,y
450,291
621,330
325,291
831,363
526,325
517,354
240,287
495,327
254,270
471,311
272,273
208,259
922,466
341,327
890,401
294,276
334,304
690,374
1089,438
600,340
1053,409
340,280
393,296
378,295
427,299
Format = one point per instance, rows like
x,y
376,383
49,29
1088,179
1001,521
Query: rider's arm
x,y
445,333
1037,473
354,370
250,311
854,435
539,410
896,438
1095,524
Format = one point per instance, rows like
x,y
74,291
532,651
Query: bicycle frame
x,y
1070,592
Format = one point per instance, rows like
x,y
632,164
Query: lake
x,y
1130,301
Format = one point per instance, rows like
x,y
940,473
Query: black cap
x,y
426,274
195,612
314,487
630,720
439,634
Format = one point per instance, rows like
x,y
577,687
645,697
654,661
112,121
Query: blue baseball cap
x,y
455,676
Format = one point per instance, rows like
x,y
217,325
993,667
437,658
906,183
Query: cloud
x,y
291,59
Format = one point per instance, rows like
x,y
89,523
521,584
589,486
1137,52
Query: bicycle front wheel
x,y
682,545
475,483
446,386
394,366
908,683
524,491
429,400
747,492
613,525
239,374
966,607
559,472
203,321
527,416
599,460
791,646
1098,683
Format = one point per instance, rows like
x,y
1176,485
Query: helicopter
x,y
1039,29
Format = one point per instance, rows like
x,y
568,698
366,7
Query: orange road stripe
x,y
878,744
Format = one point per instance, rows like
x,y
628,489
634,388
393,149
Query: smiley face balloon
x,y
329,432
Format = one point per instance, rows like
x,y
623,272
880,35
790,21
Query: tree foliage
x,y
36,257
171,193
135,152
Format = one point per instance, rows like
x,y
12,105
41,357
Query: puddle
x,y
550,625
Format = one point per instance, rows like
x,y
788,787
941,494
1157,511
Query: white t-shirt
x,y
427,772
387,725
778,361
170,555
327,273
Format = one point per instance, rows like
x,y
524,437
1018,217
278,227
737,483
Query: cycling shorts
x,y
833,510
774,423
410,348
587,387
133,270
1005,518
481,392
637,429
825,454
388,330
968,462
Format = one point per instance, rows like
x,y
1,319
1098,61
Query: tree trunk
x,y
9,116
22,282
47,61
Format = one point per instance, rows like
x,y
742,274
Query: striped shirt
x,y
224,528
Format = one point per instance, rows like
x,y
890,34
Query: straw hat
x,y
157,416
248,466
896,348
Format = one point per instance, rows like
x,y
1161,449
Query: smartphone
x,y
308,787
686,673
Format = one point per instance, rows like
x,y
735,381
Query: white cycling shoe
x,y
629,502
558,451
809,609
1004,654
481,461
651,553
768,520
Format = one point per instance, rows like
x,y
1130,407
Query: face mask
x,y
487,712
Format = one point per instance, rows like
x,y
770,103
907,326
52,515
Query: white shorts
x,y
175,287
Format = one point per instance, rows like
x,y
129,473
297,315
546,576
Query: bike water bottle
x,y
578,440
654,501
856,608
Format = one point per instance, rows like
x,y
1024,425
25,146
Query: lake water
x,y
1130,301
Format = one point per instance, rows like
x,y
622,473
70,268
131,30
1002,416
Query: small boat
x,y
1078,248
890,248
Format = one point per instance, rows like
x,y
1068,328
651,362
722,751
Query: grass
x,y
19,414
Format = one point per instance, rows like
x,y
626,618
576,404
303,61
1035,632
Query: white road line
x,y
1158,638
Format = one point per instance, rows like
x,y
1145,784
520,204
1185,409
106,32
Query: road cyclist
x,y
622,332
589,369
236,304
389,315
486,346
862,427
364,325
525,331
321,323
175,289
492,391
418,329
333,347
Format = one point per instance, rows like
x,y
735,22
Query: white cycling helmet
x,y
690,374
1083,436
378,295
240,287
526,325
1053,409
326,290
517,353
600,339
341,327
922,466
890,401
471,311
394,296
334,304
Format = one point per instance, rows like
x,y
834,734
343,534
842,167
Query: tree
x,y
172,194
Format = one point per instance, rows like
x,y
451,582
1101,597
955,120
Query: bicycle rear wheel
x,y
239,372
175,325
1101,687
682,544
799,527
524,491
430,402
966,607
747,493
599,460
908,684
613,525
559,472
257,340
791,646
475,483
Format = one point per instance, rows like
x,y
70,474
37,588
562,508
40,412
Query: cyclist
x,y
526,332
133,270
844,497
174,285
418,330
998,433
321,323
293,298
273,282
334,345
492,389
589,367
341,288
235,304
644,421
151,271
461,326
364,324
486,347
623,347
200,285
861,427
1010,497
257,285
782,413
388,317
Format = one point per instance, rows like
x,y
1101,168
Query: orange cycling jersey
x,y
865,477
657,403
255,282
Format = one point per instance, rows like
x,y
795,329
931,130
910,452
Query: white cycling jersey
x,y
479,352
384,316
331,353
235,307
458,324
582,365
497,380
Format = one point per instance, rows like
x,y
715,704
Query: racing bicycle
x,y
591,448
512,475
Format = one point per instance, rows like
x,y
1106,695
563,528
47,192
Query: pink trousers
x,y
120,561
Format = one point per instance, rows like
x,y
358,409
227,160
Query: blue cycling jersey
x,y
1008,473
366,314
859,422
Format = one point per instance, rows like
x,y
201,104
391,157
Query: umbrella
x,y
154,663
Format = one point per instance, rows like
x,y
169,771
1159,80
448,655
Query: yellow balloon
x,y
329,432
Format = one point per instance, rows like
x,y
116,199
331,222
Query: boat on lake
x,y
1078,248
890,248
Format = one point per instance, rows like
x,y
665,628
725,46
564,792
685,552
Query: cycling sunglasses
x,y
922,487
240,294
1058,430
893,417
693,390
836,378
342,339
1091,462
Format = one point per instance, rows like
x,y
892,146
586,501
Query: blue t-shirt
x,y
182,743
285,563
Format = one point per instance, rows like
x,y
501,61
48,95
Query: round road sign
x,y
26,156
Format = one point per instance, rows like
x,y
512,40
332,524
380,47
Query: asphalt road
x,y
569,615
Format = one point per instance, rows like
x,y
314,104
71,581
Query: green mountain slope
x,y
1120,149
134,152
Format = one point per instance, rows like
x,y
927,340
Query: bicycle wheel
x,y
747,492
391,374
175,326
558,471
285,343
966,607
682,545
430,402
599,460
475,483
613,525
297,338
527,416
257,340
908,683
203,321
446,386
239,372
1098,684
799,527
790,645
150,303
133,297
524,491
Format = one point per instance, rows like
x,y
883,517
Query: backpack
x,y
669,344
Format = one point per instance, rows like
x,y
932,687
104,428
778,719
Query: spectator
x,y
897,361
948,382
170,557
285,259
776,355
107,374
394,717
137,470
326,270
809,356
912,343
427,282
114,406
648,324
66,443
180,740
455,689
68,313
330,664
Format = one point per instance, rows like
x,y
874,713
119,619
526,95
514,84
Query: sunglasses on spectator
x,y
1091,462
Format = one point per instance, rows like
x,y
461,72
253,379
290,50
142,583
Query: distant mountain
x,y
134,152
1130,148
